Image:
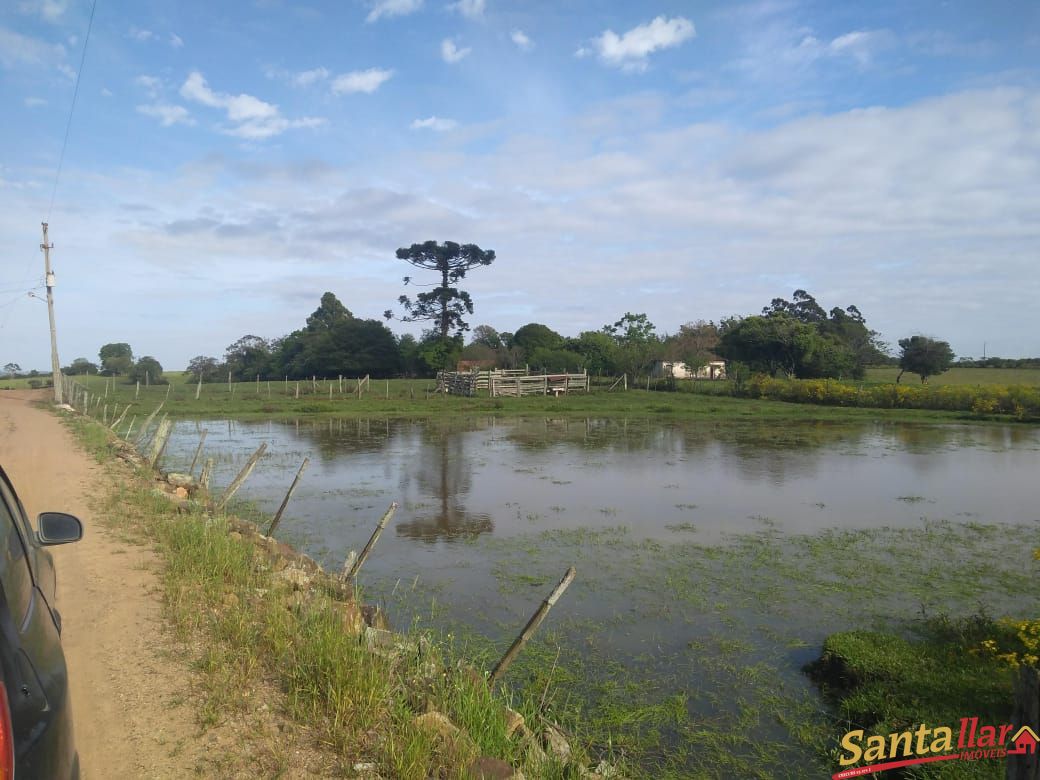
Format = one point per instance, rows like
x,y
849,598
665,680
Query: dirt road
x,y
131,698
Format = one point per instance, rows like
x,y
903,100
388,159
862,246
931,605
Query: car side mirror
x,y
58,528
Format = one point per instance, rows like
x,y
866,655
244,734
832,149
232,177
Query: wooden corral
x,y
510,383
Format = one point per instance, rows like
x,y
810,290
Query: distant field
x,y
23,384
963,376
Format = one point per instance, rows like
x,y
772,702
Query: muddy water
x,y
712,558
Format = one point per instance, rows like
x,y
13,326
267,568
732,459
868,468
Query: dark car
x,y
35,713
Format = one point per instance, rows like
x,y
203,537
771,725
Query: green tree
x,y
555,360
329,313
437,353
923,356
147,370
408,347
769,344
247,357
444,305
534,336
208,369
116,359
857,342
79,367
11,369
802,307
488,336
350,347
598,351
637,343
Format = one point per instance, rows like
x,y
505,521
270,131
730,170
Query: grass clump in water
x,y
884,684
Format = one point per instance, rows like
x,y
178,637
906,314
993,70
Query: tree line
x,y
794,338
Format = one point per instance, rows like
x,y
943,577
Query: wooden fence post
x,y
198,389
531,627
145,424
198,451
115,424
207,472
353,572
236,483
288,495
162,436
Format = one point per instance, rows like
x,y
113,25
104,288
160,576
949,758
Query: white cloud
x,y
243,108
176,41
140,35
106,92
254,118
167,114
519,37
195,88
308,77
49,10
435,123
860,45
391,8
782,51
17,50
149,84
472,9
34,102
367,81
261,128
67,71
631,49
452,53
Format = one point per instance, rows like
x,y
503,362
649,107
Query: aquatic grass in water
x,y
704,676
680,645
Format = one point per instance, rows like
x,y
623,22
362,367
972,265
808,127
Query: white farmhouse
x,y
715,369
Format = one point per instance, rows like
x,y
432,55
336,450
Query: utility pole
x,y
49,279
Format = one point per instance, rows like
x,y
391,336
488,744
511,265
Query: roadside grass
x,y
246,623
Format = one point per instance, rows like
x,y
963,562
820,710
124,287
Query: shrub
x,y
1018,401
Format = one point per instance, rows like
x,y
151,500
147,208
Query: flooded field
x,y
712,559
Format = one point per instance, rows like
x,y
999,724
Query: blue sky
x,y
229,162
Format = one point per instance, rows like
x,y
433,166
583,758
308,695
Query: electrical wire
x,y
8,306
72,109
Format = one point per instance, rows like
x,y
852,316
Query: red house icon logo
x,y
1025,740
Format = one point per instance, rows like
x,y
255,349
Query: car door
x,y
31,657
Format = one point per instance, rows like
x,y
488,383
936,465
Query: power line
x,y
72,109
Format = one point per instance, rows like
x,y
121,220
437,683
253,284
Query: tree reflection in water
x,y
444,471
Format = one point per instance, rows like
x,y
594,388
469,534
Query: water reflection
x,y
442,470
468,476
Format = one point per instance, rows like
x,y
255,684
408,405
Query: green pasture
x,y
415,398
961,376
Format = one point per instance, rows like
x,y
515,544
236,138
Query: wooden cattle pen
x,y
510,383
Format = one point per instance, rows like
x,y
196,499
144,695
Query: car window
x,y
14,567
21,518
